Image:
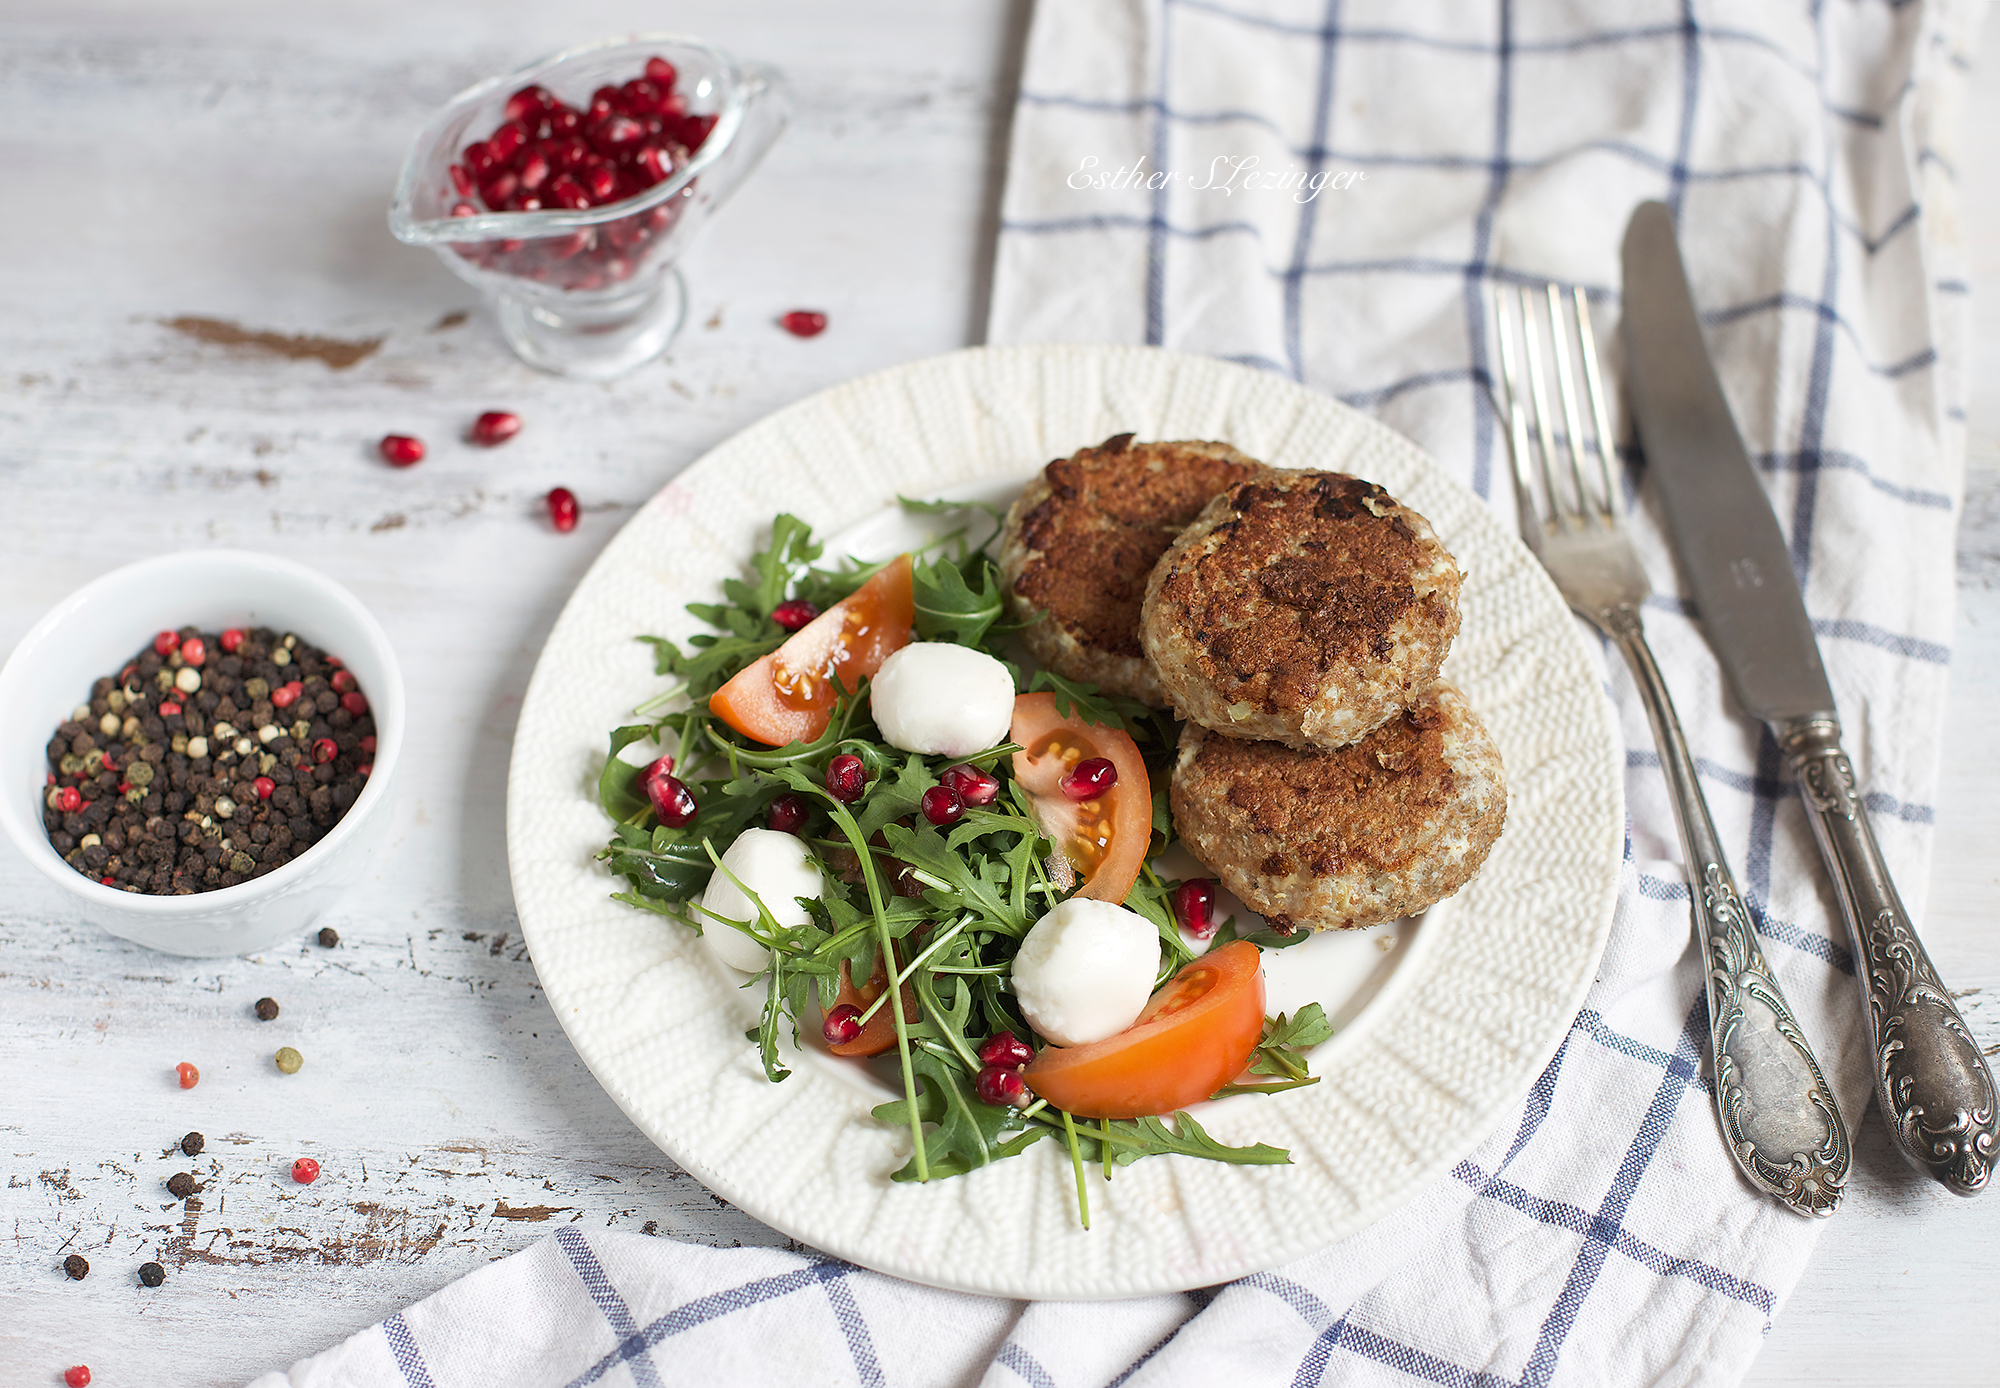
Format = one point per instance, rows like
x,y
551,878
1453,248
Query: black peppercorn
x,y
267,1009
192,1144
180,1185
152,1274
328,936
76,1266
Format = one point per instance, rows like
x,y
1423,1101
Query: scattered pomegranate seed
x,y
77,1376
672,801
325,750
401,450
1001,1086
194,650
661,71
942,806
787,814
355,702
167,642
971,785
843,1023
495,427
802,322
263,785
190,1077
562,509
846,778
368,744
169,709
1194,907
1089,779
69,800
342,681
1004,1048
305,1171
794,614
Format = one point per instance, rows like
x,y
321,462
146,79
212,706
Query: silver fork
x,y
1779,1118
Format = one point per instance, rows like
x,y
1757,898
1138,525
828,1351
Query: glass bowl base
x,y
594,344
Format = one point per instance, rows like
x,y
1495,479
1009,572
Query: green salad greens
x,y
955,902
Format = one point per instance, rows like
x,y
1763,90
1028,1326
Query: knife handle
x,y
1931,1083
1778,1113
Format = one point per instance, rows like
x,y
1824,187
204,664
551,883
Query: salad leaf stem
x,y
1076,1165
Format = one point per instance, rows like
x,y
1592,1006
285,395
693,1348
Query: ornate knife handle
x,y
1779,1115
1931,1082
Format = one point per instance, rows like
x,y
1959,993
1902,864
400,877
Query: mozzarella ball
x,y
942,699
775,866
1085,971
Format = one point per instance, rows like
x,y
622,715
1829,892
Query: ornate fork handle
x,y
1931,1082
1782,1122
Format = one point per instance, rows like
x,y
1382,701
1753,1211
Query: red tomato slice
x,y
1195,1036
1104,839
879,1034
788,695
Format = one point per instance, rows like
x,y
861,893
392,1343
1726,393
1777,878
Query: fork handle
x,y
1931,1082
1778,1114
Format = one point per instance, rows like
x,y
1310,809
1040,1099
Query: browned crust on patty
x,y
1303,606
1082,539
1341,839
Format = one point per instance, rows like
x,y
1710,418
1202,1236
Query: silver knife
x,y
1931,1082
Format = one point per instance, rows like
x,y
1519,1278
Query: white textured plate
x,y
1473,1010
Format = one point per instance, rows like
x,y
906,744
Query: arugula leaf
x,y
892,798
618,783
961,1133
1085,701
947,607
1286,1040
1127,1140
791,549
980,886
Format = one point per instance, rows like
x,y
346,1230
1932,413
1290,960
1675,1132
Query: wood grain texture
x,y
205,337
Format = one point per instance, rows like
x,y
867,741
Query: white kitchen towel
x,y
1325,189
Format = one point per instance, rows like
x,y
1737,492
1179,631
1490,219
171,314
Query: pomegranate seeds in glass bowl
x,y
568,191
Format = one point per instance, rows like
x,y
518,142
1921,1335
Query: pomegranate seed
x,y
461,179
1001,1086
495,427
672,801
368,744
576,243
659,766
802,322
324,750
264,785
169,709
194,650
642,96
661,71
342,681
167,642
305,1171
401,450
674,105
354,702
616,133
69,800
604,101
568,193
77,1376
232,639
694,131
564,121
656,164
1004,1048
528,103
534,170
190,1077
971,785
842,1024
479,161
525,202
600,184
1194,907
464,209
281,697
1089,779
794,614
942,806
568,152
846,778
787,814
562,509
505,142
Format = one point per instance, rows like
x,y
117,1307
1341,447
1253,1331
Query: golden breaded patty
x,y
1305,607
1082,538
1337,840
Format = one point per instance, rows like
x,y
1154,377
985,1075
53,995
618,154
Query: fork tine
x,y
1544,425
1593,382
1566,392
1510,392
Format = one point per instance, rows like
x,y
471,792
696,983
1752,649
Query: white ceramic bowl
x,y
93,632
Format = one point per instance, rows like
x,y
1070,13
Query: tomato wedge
x,y
1105,838
788,695
1195,1036
879,1034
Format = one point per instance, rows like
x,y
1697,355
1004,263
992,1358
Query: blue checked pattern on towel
x,y
1599,1236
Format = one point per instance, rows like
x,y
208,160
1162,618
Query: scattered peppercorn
x,y
328,937
289,1060
192,1144
77,1376
77,1266
305,1171
152,1274
180,1185
267,1009
190,1077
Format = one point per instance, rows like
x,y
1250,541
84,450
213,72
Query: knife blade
x,y
1932,1084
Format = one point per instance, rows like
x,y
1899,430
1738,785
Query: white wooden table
x,y
169,163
